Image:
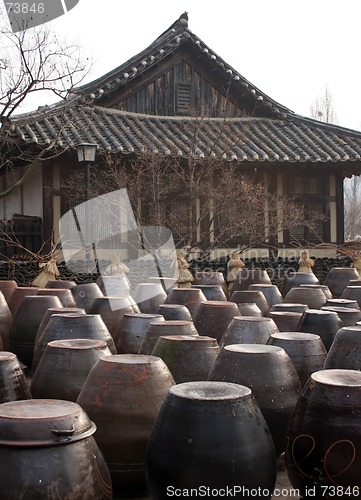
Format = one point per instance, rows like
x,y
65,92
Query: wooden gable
x,y
183,85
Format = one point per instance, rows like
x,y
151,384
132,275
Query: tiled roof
x,y
283,137
294,140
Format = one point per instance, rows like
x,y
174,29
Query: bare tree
x,y
352,199
323,109
33,61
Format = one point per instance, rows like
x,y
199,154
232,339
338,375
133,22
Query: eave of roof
x,y
293,140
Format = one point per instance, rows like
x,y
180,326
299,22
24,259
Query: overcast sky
x,y
289,49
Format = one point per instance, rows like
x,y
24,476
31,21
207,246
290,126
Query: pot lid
x,y
43,422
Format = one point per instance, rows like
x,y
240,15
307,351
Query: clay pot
x,y
345,349
189,297
174,311
5,322
64,294
48,446
249,330
25,324
324,288
158,329
349,317
149,296
268,371
188,358
214,316
322,323
213,434
271,292
60,284
354,282
114,285
353,304
314,298
64,367
85,294
338,278
324,438
123,395
56,310
13,385
306,351
212,292
286,321
112,310
242,296
131,331
72,326
294,280
7,287
211,278
17,296
167,283
289,307
249,309
352,292
247,277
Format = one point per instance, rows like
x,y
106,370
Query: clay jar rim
x,y
143,315
253,319
254,349
130,359
7,356
210,391
337,377
292,314
188,342
295,335
78,344
219,303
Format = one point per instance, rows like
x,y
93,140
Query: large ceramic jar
x,y
188,358
306,351
271,292
211,278
72,326
286,321
158,329
114,285
338,278
149,296
85,294
18,295
174,311
323,455
25,324
64,294
348,316
212,292
131,331
322,323
47,450
247,277
64,367
268,371
314,298
210,436
123,395
189,297
5,321
345,349
13,384
351,303
324,288
112,310
60,284
294,280
214,316
256,296
352,293
248,330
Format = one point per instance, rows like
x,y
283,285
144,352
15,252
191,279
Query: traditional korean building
x,y
153,102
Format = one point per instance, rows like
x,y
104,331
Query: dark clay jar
x,y
123,395
345,350
268,371
246,277
210,435
338,278
322,323
47,450
13,385
294,280
323,455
